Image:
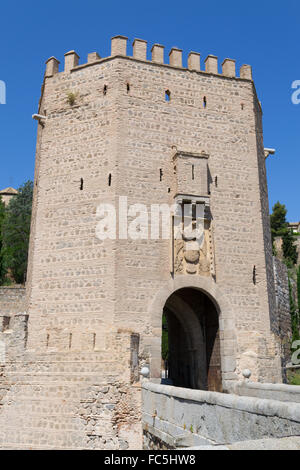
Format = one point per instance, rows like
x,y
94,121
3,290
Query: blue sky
x,y
262,33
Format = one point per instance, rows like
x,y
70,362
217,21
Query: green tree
x,y
2,216
280,228
289,249
16,231
279,224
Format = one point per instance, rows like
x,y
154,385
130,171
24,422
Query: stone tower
x,y
140,132
7,194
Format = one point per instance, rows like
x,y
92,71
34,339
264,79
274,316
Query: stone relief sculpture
x,y
193,240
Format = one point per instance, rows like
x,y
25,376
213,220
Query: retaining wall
x,y
176,417
278,392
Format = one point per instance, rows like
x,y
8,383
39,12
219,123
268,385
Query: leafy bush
x,y
15,234
280,228
294,377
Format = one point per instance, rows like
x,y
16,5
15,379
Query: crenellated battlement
x,y
119,46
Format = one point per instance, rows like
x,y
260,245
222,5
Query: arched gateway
x,y
196,312
192,323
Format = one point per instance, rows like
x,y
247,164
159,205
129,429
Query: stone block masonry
x,y
156,133
278,392
177,418
284,330
12,300
13,321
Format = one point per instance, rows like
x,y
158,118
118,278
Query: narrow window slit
x,y
128,87
81,184
109,179
204,102
104,90
254,275
193,172
167,95
160,174
70,340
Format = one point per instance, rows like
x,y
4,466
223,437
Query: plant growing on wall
x,y
71,97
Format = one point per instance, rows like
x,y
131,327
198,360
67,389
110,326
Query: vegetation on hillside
x,y
280,228
294,377
15,222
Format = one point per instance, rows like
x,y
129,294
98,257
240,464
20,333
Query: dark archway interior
x,y
192,323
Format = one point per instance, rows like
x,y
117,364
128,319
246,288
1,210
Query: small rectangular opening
x,y
134,357
6,322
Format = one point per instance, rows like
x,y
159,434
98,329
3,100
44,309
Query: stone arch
x,y
228,341
194,341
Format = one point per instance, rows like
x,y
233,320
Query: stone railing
x,y
176,417
278,392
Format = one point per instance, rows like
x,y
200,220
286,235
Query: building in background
x,y
295,227
7,194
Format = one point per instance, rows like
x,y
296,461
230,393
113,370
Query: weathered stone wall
x,y
13,330
283,329
80,400
175,417
282,297
130,134
278,246
278,392
13,321
12,300
118,139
